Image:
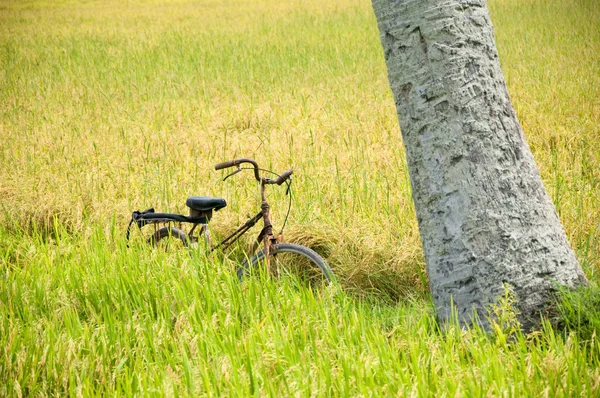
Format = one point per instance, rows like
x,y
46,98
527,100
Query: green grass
x,y
107,107
93,317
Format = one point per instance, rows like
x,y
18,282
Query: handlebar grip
x,y
283,177
224,165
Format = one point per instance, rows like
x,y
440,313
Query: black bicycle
x,y
280,257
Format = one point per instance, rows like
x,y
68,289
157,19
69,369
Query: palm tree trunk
x,y
485,220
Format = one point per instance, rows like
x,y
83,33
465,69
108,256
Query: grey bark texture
x,y
484,216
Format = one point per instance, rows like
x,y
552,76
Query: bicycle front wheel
x,y
291,259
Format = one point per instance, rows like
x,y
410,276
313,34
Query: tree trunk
x,y
484,216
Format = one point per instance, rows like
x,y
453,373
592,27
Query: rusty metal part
x,y
228,241
237,162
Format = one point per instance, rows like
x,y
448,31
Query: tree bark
x,y
484,216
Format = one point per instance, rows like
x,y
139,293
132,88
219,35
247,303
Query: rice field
x,y
107,107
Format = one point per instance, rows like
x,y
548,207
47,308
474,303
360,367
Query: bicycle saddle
x,y
205,203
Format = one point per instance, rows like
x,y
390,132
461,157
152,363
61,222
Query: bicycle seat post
x,y
206,232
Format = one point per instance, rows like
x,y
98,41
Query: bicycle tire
x,y
319,266
168,232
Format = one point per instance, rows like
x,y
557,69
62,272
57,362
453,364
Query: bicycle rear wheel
x,y
169,238
291,259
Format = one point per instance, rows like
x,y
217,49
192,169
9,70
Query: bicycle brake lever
x,y
289,186
234,173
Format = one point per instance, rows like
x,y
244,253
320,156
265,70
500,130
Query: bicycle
x,y
280,257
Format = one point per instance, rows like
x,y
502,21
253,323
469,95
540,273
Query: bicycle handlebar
x,y
283,177
236,162
231,163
